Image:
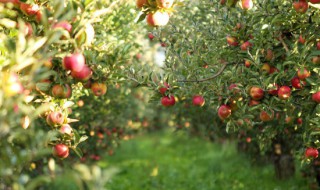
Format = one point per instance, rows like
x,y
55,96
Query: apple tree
x,y
256,64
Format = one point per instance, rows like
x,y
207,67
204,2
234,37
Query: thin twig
x,y
209,78
284,44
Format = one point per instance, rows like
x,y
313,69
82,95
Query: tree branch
x,y
284,44
209,78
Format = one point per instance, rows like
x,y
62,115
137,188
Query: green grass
x,y
185,163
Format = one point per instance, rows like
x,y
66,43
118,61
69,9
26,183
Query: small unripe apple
x,y
303,73
256,93
98,89
300,6
74,62
224,112
265,68
284,92
297,83
264,116
158,18
61,91
311,152
55,118
83,75
168,101
232,41
165,3
316,97
66,129
198,100
60,150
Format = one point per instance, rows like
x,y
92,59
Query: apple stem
x,y
284,44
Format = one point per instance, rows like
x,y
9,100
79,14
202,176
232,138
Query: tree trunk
x,y
284,166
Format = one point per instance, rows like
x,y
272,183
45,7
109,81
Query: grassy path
x,y
167,161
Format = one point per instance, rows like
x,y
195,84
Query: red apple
x,y
168,101
247,63
60,150
165,3
74,62
29,10
141,3
234,88
64,25
39,16
83,75
61,91
284,92
316,97
301,40
98,89
273,69
299,121
253,102
274,90
269,55
224,112
311,152
248,139
256,93
264,116
66,129
297,83
151,36
300,6
314,1
316,60
158,18
245,45
55,118
222,2
163,89
198,100
318,45
303,73
246,4
232,41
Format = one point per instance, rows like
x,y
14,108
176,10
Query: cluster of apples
x,y
301,6
56,119
169,100
157,12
